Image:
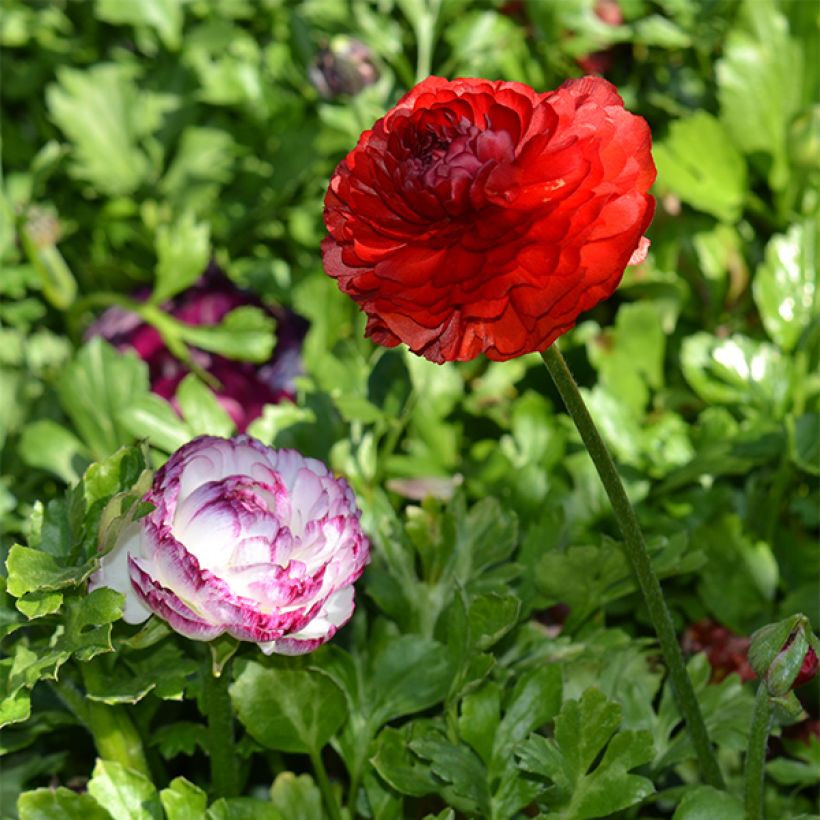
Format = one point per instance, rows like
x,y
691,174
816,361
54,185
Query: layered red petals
x,y
483,217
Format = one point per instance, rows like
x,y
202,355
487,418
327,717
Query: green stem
x,y
425,39
636,552
331,804
756,755
115,736
221,746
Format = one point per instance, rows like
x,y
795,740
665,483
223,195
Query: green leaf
x,y
786,285
124,792
463,774
164,16
183,800
183,250
163,669
180,738
737,371
290,710
39,604
698,161
804,771
739,580
535,701
245,334
203,161
33,571
95,387
804,441
151,417
243,808
296,797
59,804
88,620
399,767
106,116
583,730
204,415
759,85
706,803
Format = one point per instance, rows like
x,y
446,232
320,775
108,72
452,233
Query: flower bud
x,y
345,67
784,655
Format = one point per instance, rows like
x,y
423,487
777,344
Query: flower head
x,y
726,651
244,388
483,217
262,544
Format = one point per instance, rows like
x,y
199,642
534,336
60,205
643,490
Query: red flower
x,y
483,217
726,651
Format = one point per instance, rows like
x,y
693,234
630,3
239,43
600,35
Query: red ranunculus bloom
x,y
483,217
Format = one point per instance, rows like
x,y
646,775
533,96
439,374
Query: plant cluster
x,y
164,169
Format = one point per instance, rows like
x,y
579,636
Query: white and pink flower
x,y
262,544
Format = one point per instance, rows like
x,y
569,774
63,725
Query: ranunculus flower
x,y
244,388
262,544
483,217
726,651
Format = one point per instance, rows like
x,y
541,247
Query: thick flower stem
x,y
221,746
756,754
635,549
331,804
115,736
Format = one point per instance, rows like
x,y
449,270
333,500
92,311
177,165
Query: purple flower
x,y
244,388
262,544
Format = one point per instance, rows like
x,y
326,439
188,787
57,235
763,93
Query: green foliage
x,y
143,140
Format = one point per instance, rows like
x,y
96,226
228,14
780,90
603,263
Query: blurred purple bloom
x,y
345,67
244,387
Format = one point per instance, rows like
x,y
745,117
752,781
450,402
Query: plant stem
x,y
756,755
425,38
115,736
331,805
635,548
224,769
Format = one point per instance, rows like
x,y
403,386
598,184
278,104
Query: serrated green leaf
x,y
39,604
95,388
183,250
698,161
290,710
106,116
182,800
583,729
59,804
399,767
124,792
785,286
180,738
33,571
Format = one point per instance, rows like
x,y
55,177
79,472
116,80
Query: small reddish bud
x,y
808,670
